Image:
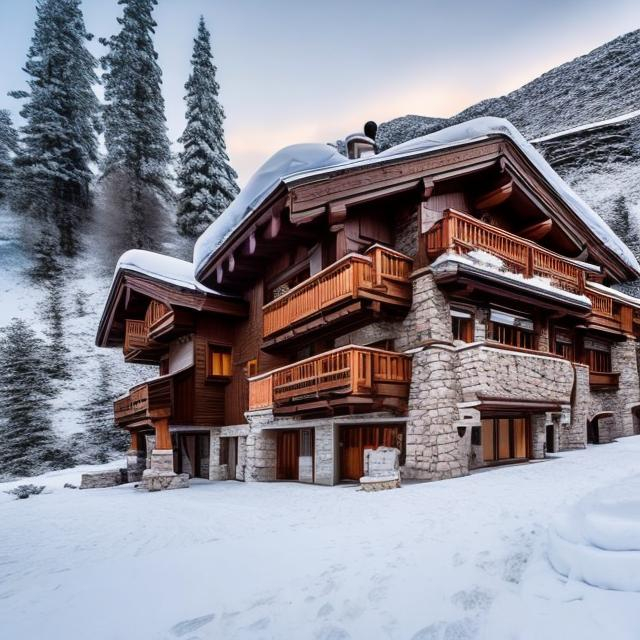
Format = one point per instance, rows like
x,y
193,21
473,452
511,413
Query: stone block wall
x,y
325,453
498,373
574,435
432,449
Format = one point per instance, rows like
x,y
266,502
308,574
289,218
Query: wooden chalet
x,y
450,297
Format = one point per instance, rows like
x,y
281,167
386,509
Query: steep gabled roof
x,y
169,280
306,163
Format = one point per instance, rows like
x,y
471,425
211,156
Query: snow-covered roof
x,y
303,161
159,267
290,161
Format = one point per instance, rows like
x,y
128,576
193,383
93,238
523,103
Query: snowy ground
x,y
449,560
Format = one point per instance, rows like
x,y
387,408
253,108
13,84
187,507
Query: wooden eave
x,y
174,296
298,201
468,278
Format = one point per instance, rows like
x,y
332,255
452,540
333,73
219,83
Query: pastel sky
x,y
312,71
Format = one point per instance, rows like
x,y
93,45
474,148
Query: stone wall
x,y
498,373
429,317
574,435
325,453
103,479
260,448
620,401
432,449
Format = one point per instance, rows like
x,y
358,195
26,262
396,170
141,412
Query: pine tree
x,y
28,443
102,439
59,139
8,149
208,182
57,361
138,152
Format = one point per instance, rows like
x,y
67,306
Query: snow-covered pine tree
x,y
29,445
208,182
101,439
59,139
138,153
8,149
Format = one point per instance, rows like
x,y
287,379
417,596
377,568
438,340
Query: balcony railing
x,y
462,233
610,313
140,334
136,335
346,372
144,401
381,274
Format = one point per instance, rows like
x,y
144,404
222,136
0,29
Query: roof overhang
x,y
128,284
303,198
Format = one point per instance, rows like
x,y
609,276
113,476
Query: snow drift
x,y
597,541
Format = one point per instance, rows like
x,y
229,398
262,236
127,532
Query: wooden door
x,y
351,453
505,439
287,452
354,441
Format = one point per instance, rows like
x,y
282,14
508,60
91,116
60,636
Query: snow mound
x,y
597,541
160,267
289,161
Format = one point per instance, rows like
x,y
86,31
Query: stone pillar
x,y
624,358
538,435
260,448
573,435
241,463
136,458
433,451
325,454
217,471
429,317
160,474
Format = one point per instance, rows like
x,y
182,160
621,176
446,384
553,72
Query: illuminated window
x,y
252,368
219,361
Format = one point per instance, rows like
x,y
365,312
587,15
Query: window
x,y
598,355
462,325
511,329
252,368
306,443
563,343
219,361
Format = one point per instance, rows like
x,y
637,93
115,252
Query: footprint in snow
x,y
475,598
332,633
463,629
325,610
187,626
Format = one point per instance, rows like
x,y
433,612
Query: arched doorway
x,y
599,428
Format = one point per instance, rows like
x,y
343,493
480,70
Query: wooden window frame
x,y
216,347
512,335
598,359
467,325
568,350
251,367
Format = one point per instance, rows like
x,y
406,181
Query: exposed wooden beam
x,y
537,231
495,197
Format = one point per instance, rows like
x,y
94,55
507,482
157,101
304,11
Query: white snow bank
x,y
307,160
289,161
597,541
165,268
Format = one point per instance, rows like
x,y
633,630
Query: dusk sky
x,y
315,71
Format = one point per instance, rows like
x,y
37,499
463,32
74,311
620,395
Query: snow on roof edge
x,y
308,160
161,267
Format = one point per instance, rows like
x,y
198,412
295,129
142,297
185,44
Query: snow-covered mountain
x,y
584,117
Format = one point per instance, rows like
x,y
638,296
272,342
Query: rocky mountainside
x,y
599,85
584,117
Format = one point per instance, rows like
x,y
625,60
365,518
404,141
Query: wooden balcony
x,y
144,339
463,233
609,314
601,381
340,294
347,379
148,400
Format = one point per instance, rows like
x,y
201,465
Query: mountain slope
x,y
598,85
